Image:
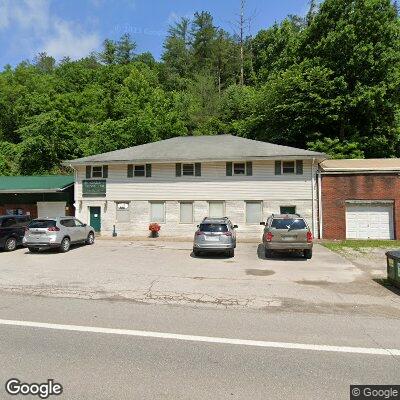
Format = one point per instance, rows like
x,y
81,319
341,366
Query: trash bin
x,y
393,267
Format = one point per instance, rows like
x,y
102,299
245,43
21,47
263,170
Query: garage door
x,y
369,221
51,209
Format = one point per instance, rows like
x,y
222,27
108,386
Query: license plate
x,y
288,237
212,238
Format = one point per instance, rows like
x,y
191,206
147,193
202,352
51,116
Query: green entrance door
x,y
95,218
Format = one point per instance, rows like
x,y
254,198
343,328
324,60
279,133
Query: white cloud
x,y
174,17
69,40
35,29
25,14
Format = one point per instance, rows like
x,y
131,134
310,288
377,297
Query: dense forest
x,y
326,82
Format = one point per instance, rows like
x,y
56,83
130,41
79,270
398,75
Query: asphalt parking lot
x,y
168,273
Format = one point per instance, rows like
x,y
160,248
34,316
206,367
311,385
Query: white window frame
x,y
223,207
144,170
294,167
180,212
193,171
97,166
151,211
233,169
260,203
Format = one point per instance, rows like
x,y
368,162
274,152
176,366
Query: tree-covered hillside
x,y
327,82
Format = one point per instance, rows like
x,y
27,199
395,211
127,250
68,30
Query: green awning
x,y
35,184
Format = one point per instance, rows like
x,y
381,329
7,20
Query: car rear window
x,y
42,223
214,228
288,223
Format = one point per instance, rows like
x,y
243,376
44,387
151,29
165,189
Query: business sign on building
x,y
94,188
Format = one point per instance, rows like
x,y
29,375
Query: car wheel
x,y
268,253
231,253
307,254
11,244
33,249
65,245
196,252
90,238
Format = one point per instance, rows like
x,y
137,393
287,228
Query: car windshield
x,y
288,223
42,223
214,228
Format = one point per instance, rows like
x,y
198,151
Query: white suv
x,y
58,232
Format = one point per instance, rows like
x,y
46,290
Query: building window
x,y
187,169
139,170
157,211
123,214
288,167
97,171
253,212
239,169
288,209
216,209
186,212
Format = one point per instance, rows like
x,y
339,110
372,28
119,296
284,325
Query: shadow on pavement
x,y
387,285
280,255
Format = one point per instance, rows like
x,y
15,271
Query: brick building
x,y
37,196
360,199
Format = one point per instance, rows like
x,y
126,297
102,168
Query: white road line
x,y
206,339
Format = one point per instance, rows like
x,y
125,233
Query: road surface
x,y
123,350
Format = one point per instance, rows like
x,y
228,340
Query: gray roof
x,y
201,148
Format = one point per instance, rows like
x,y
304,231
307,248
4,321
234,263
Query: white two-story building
x,y
177,182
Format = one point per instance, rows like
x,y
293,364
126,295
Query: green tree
x,y
359,41
125,49
203,34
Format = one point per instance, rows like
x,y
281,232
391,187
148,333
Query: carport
x,y
37,196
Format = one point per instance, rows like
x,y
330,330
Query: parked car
x,y
12,229
60,232
287,232
215,234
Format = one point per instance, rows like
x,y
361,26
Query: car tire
x,y
307,254
231,253
65,245
33,249
90,238
196,252
10,244
268,253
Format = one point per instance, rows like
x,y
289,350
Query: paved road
x,y
93,365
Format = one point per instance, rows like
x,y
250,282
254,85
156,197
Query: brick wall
x,y
336,189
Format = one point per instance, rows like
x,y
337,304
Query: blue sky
x,y
76,27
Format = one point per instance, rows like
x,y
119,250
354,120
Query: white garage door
x,y
369,221
51,209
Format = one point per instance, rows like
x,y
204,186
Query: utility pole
x,y
241,81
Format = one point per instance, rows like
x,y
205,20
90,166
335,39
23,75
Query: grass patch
x,y
337,245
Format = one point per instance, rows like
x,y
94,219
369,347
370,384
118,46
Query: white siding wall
x,y
212,185
273,190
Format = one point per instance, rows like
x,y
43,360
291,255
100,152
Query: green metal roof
x,y
26,184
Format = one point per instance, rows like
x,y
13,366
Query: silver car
x,y
60,232
215,234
